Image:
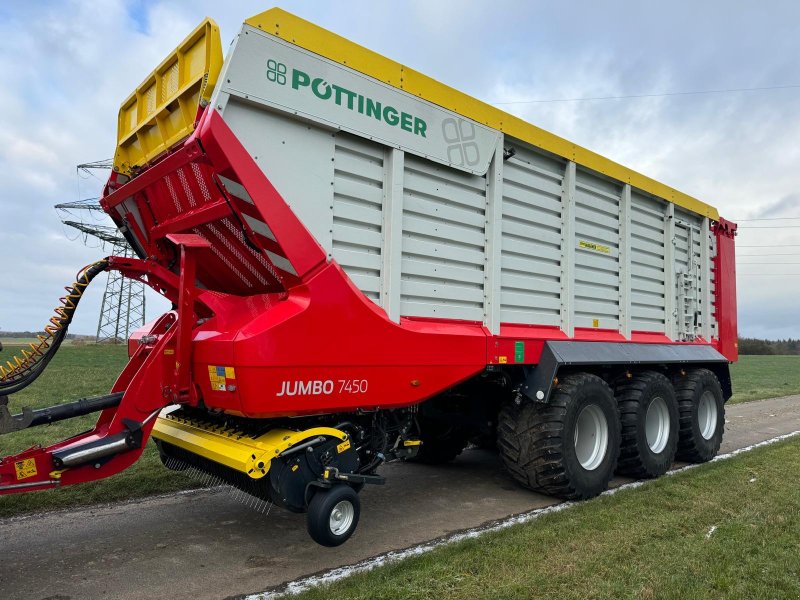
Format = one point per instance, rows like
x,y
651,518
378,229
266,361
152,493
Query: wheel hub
x,y
341,517
591,437
707,415
657,425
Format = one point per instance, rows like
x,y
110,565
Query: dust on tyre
x,y
566,447
702,415
648,413
333,515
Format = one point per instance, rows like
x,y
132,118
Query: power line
x,y
770,246
768,254
768,274
659,95
768,227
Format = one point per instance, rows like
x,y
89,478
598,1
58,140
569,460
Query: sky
x,y
67,65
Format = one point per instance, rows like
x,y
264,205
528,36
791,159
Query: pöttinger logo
x,y
460,135
276,72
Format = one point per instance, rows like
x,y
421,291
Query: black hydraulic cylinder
x,y
78,408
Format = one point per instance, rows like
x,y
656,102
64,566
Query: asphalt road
x,y
206,544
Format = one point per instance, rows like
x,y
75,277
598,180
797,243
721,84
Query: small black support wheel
x,y
333,515
567,447
648,413
702,415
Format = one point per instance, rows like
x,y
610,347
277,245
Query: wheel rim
x,y
591,437
657,425
341,517
707,415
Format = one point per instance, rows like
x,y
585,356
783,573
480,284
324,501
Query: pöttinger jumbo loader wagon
x,y
366,265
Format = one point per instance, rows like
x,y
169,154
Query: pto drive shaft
x,y
51,414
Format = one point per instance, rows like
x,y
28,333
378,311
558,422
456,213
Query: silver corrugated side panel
x,y
434,215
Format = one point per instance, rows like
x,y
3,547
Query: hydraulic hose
x,y
24,368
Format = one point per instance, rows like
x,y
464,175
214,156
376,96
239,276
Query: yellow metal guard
x,y
231,448
161,111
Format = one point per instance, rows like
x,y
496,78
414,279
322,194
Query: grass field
x,y
85,370
677,537
76,372
758,377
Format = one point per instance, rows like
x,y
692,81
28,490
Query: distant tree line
x,y
757,346
34,334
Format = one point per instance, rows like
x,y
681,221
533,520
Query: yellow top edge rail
x,y
162,110
338,49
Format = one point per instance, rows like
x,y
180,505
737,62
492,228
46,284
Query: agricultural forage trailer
x,y
366,265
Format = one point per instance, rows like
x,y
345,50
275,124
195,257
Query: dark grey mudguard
x,y
557,354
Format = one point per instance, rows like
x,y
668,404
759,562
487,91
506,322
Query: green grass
x,y
85,370
651,542
759,377
76,372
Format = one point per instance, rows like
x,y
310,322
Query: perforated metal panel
x,y
443,243
596,288
648,310
358,211
531,238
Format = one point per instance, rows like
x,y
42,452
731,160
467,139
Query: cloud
x,y
785,207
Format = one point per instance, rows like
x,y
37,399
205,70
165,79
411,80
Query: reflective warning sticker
x,y
502,360
222,378
216,375
592,246
25,468
345,445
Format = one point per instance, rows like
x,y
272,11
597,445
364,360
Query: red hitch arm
x,y
158,374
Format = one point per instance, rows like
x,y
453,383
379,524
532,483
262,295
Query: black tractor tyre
x,y
440,443
333,515
537,440
487,441
647,395
702,415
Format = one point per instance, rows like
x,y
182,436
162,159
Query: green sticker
x,y
519,352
